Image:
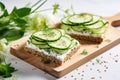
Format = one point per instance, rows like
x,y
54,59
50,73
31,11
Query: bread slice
x,y
92,31
83,38
50,60
53,46
89,38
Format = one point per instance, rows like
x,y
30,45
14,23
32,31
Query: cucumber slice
x,y
66,21
77,28
36,38
62,31
105,22
48,35
59,51
62,43
66,28
74,43
99,30
68,36
96,25
95,19
44,46
80,18
36,42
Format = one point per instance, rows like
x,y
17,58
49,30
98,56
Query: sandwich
x,y
85,26
53,46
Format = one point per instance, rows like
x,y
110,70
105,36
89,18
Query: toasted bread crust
x,y
50,60
92,39
79,37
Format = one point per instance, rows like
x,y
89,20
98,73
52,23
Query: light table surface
x,y
109,66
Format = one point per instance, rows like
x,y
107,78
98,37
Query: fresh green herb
x,y
41,2
13,25
55,8
70,11
98,60
1,58
47,32
9,21
67,11
84,52
18,17
3,11
6,70
13,34
3,46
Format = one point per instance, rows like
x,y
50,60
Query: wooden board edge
x,y
86,59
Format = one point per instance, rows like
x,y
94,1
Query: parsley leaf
x,y
6,70
55,8
98,60
2,6
18,17
21,12
3,11
84,52
12,34
8,22
67,11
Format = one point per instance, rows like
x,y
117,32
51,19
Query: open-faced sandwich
x,y
53,46
85,26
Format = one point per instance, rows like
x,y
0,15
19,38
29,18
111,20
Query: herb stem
x,y
36,3
38,6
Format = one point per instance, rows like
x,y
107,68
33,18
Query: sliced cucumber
x,y
48,35
44,46
62,43
66,28
95,19
84,22
104,21
66,21
80,18
99,30
59,51
36,42
96,25
36,38
74,43
68,36
77,28
62,31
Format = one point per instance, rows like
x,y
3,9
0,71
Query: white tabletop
x,y
109,66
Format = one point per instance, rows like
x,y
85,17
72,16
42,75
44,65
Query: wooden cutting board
x,y
112,38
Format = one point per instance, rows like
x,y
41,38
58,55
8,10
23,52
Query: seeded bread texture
x,y
84,38
91,39
50,60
